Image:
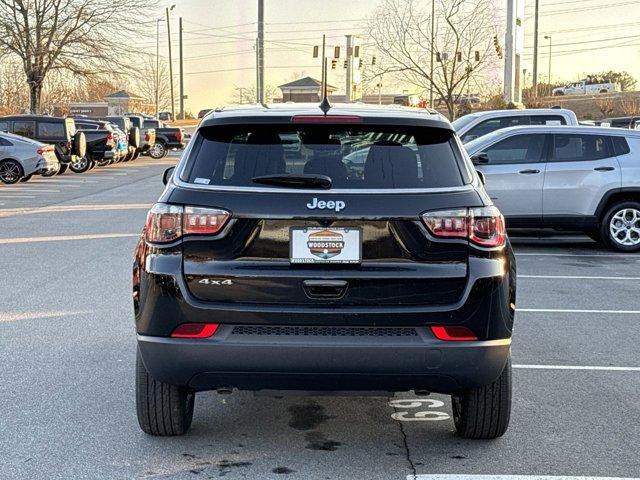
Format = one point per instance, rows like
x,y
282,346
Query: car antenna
x,y
325,105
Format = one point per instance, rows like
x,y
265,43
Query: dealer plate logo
x,y
325,244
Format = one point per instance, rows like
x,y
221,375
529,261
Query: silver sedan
x,y
21,157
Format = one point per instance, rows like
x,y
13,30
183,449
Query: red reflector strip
x,y
326,119
195,330
453,333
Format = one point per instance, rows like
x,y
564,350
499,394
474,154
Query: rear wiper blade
x,y
294,180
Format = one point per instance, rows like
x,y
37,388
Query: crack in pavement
x,y
407,452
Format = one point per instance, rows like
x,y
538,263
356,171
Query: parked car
x,y
167,138
260,271
475,125
21,158
619,122
577,178
165,116
147,135
101,144
70,146
586,87
132,134
203,112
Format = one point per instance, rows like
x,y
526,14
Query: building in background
x,y
306,89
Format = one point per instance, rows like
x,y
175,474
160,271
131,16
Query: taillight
x,y
195,330
203,221
454,333
146,136
40,151
109,138
168,223
179,136
483,226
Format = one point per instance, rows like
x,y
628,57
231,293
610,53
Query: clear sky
x,y
219,36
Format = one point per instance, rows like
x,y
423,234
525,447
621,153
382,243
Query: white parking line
x,y
603,255
40,190
7,212
65,238
578,367
578,277
509,477
568,310
17,196
15,316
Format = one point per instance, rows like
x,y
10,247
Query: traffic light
x,y
336,52
459,56
497,46
334,64
345,64
359,63
373,60
477,56
315,51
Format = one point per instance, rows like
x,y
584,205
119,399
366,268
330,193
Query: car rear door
x,y
515,175
582,167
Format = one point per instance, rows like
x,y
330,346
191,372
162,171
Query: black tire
x,y
483,412
79,144
134,137
604,91
10,171
80,166
558,94
632,233
62,169
26,178
158,150
163,410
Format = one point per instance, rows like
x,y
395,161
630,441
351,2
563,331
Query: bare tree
x,y
401,33
147,80
630,105
606,106
84,37
242,95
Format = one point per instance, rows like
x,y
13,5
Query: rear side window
x,y
493,124
4,126
51,130
25,129
548,120
362,157
517,149
620,146
150,124
576,148
5,143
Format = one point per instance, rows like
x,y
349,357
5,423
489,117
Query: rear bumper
x,y
255,361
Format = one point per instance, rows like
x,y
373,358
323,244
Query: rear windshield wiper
x,y
294,180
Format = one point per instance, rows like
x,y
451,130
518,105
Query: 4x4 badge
x,y
336,205
211,281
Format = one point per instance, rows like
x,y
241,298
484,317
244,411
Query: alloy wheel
x,y
10,171
624,227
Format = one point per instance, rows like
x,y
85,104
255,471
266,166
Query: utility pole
x,y
181,74
509,53
548,37
324,61
535,49
158,65
433,47
349,78
173,103
260,86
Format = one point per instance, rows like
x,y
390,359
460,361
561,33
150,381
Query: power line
x,y
225,70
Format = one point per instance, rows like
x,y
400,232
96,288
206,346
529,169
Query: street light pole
x,y
433,36
173,103
548,37
157,64
535,49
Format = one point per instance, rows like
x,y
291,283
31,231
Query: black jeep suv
x,y
352,250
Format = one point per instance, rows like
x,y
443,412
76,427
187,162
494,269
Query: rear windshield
x,y
354,157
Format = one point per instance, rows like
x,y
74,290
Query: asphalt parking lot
x,y
67,348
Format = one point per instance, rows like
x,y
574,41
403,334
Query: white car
x,y
475,125
21,157
586,88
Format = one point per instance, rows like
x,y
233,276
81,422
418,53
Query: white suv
x,y
578,178
475,125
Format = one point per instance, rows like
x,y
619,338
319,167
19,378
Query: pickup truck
x,y
147,134
70,146
167,138
101,143
585,87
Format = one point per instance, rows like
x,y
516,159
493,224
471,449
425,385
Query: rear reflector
x,y
453,333
326,119
195,330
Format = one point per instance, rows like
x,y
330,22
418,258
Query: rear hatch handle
x,y
325,288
